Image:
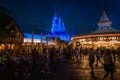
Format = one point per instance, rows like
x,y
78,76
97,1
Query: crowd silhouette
x,y
19,67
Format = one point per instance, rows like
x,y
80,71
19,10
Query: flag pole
x,y
32,40
41,39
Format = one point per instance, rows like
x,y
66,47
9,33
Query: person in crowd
x,y
108,64
114,53
81,53
60,51
118,50
77,54
91,61
98,56
10,66
70,53
45,61
65,54
17,59
53,57
34,55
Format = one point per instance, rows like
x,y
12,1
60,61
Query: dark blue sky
x,y
80,16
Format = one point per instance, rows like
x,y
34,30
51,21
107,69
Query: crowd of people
x,y
19,67
108,63
14,69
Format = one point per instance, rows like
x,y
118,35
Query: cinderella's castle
x,y
58,29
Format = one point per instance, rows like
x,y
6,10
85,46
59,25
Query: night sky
x,y
80,16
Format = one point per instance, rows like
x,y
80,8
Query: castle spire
x,y
55,15
58,28
104,21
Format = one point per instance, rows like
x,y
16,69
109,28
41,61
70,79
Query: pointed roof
x,y
104,17
104,20
9,30
105,25
55,15
106,31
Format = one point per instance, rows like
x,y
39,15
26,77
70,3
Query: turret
x,y
104,21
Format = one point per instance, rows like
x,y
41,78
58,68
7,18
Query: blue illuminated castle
x,y
58,29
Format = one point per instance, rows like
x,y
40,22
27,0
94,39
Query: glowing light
x,y
58,29
37,38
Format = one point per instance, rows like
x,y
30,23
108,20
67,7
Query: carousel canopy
x,y
104,25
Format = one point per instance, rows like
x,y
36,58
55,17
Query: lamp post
x,y
41,39
47,38
32,42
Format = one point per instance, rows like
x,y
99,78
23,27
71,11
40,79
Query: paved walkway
x,y
62,72
82,72
72,71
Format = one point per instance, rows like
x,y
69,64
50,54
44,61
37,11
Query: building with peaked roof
x,y
104,36
11,37
58,29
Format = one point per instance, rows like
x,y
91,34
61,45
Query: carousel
x,y
104,36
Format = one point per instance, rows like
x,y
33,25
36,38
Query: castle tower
x,y
54,22
57,25
62,26
58,28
